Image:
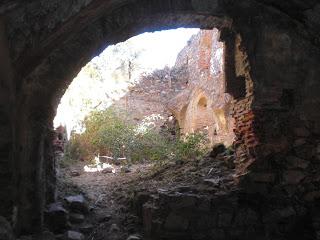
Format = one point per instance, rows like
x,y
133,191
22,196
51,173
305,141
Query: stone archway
x,y
202,115
275,117
50,77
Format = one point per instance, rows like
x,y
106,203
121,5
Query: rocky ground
x,y
115,201
106,193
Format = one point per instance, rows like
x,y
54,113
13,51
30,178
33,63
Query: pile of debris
x,y
127,206
211,174
68,219
156,199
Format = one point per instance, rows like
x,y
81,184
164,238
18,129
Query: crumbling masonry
x,y
272,73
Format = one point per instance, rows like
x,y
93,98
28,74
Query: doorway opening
x,y
141,113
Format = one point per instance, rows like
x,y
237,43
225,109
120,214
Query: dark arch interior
x,y
271,69
202,102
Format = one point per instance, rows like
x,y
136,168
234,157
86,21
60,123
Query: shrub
x,y
194,145
108,132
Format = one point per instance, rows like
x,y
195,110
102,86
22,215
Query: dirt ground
x,y
107,195
111,195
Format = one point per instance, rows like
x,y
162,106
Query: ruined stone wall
x,y
193,91
272,79
283,136
146,102
204,107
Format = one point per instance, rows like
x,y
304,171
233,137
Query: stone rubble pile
x,y
68,219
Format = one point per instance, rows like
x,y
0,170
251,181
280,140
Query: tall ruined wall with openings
x,y
204,107
193,91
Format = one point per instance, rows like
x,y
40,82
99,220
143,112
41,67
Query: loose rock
x,y
76,218
217,149
73,235
293,177
107,170
125,169
75,173
86,228
57,217
114,228
77,204
134,237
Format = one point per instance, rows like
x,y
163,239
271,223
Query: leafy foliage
x,y
108,132
194,145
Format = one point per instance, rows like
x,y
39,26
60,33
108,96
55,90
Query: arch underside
x,y
272,54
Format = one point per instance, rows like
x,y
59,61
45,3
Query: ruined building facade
x,y
192,91
204,106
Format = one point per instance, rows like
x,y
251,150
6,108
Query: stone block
x,y
75,173
76,218
114,228
301,132
77,204
299,142
57,218
225,219
204,205
134,237
202,223
175,222
245,217
287,212
263,177
312,196
148,212
125,169
73,235
278,215
107,170
178,201
293,176
86,228
318,149
295,162
218,234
